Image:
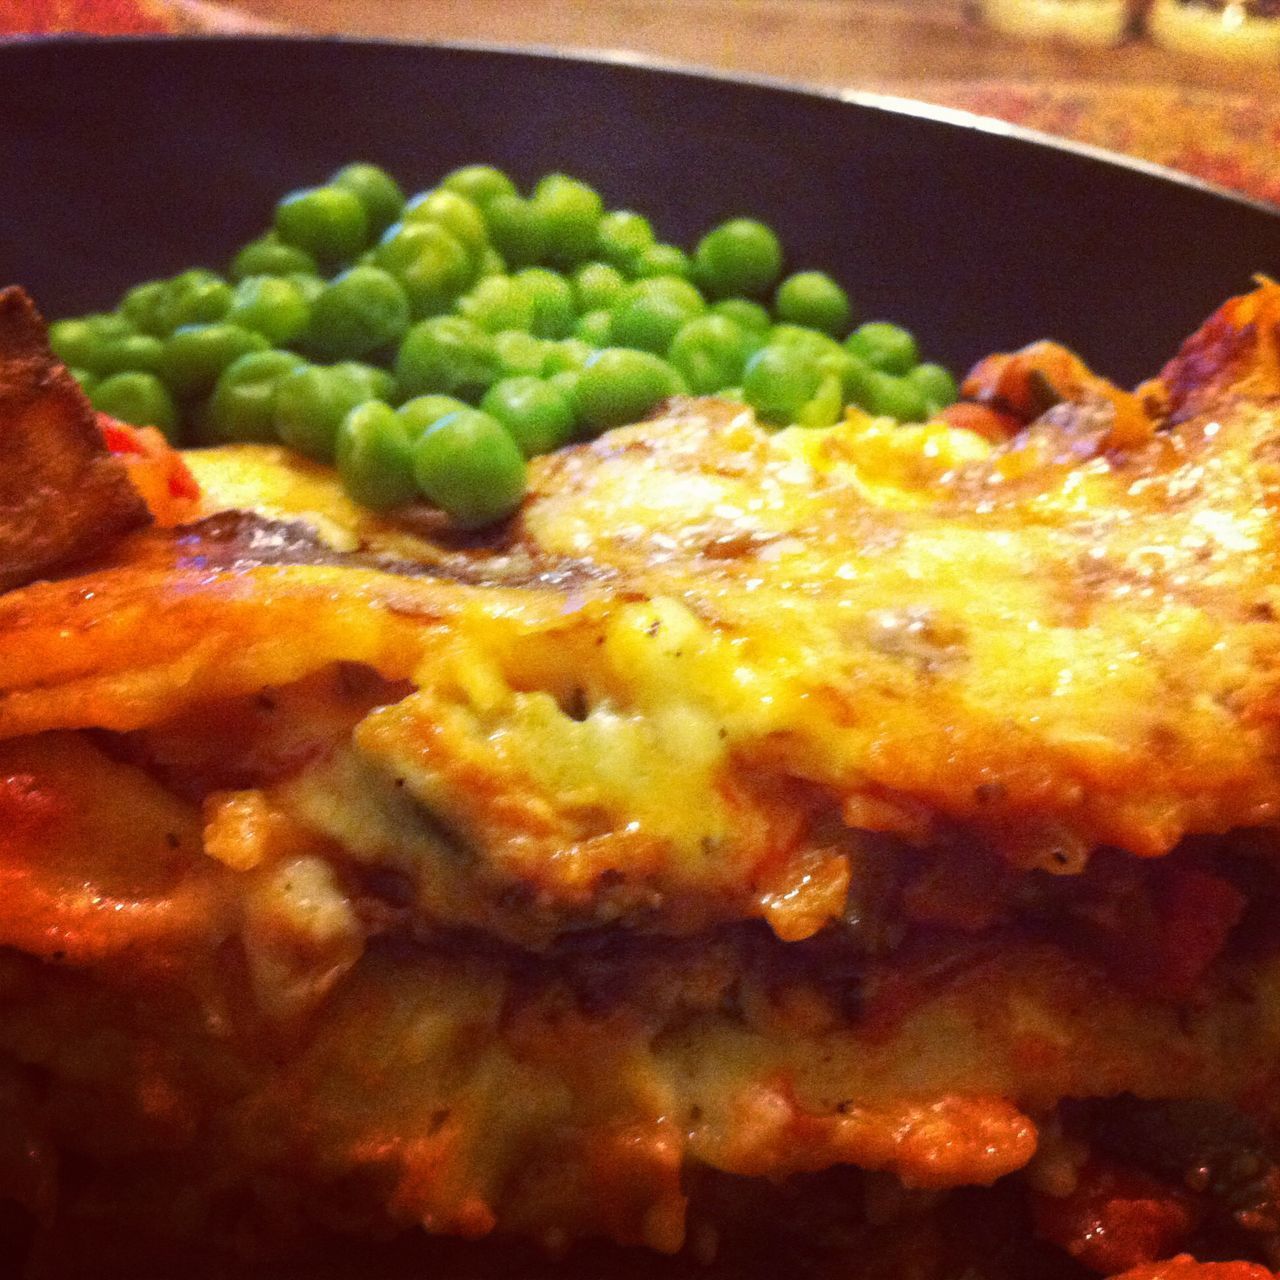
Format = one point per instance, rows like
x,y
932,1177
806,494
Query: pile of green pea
x,y
429,346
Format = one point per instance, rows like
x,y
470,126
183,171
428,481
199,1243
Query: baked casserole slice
x,y
761,830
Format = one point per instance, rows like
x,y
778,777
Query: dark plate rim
x,y
886,103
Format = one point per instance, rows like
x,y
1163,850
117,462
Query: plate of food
x,y
591,680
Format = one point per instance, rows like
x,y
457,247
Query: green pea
x,y
936,384
566,383
137,398
374,457
273,306
196,354
749,315
680,290
650,313
519,352
77,341
595,328
622,236
86,379
311,402
128,353
831,357
568,353
619,385
419,413
480,183
308,285
141,304
193,297
270,256
429,264
461,218
553,302
382,383
741,256
710,352
499,303
781,380
357,312
824,409
537,415
891,396
376,189
327,222
754,339
572,211
518,229
810,339
814,299
856,377
446,354
491,263
596,286
242,407
468,464
884,346
664,260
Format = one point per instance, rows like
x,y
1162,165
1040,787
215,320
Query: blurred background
x,y
1190,83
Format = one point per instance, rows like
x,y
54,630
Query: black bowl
x,y
127,159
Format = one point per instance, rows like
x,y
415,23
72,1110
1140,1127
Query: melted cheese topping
x,y
708,655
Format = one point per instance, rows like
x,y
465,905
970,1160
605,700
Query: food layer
x,y
754,805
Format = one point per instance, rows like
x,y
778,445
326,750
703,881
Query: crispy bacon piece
x,y
61,492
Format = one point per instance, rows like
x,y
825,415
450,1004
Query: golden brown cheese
x,y
708,656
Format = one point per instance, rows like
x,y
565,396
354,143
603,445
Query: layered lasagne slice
x,y
842,818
